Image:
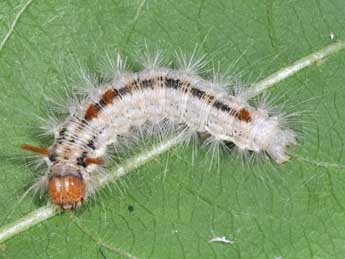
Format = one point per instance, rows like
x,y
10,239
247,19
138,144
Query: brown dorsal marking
x,y
91,112
244,115
108,97
38,150
96,160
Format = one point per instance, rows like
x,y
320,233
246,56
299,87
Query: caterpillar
x,y
153,96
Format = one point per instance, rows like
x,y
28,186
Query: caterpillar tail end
x,y
278,148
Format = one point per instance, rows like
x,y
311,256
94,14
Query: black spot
x,y
52,156
198,93
221,106
230,145
81,159
98,106
124,90
62,132
130,208
102,103
115,92
172,83
91,144
84,122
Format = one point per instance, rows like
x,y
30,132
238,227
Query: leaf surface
x,y
172,207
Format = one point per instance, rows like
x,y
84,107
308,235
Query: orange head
x,y
66,188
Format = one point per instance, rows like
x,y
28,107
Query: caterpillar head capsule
x,y
66,186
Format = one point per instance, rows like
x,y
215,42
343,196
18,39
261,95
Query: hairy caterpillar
x,y
154,95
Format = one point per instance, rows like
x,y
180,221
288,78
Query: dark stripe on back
x,y
147,83
172,83
125,90
223,107
198,93
109,95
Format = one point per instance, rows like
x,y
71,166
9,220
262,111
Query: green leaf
x,y
172,206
